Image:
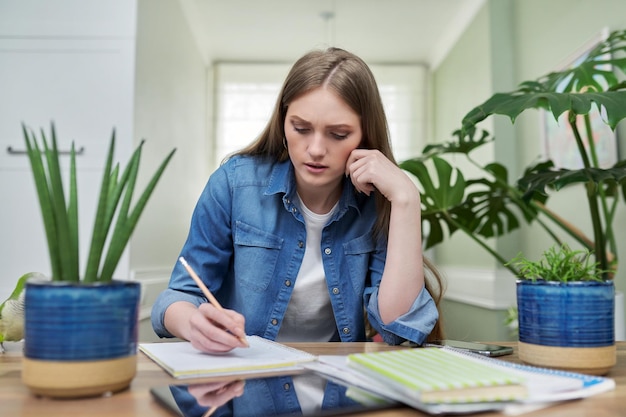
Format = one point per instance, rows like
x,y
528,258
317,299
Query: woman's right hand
x,y
216,331
208,329
217,393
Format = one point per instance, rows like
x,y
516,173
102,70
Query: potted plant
x,y
80,327
489,205
565,310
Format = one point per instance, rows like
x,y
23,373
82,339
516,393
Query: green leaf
x,y
489,205
592,81
127,222
465,143
557,179
513,104
61,219
45,201
440,199
55,182
101,220
72,216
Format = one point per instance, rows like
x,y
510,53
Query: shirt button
x,y
300,244
335,290
345,330
286,386
288,283
294,210
328,251
288,201
274,322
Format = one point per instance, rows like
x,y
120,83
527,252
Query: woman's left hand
x,y
370,170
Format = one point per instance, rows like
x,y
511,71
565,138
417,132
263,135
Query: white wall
x,y
170,111
71,63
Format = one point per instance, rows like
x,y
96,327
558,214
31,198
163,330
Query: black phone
x,y
484,349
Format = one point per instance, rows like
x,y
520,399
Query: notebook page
x,y
182,360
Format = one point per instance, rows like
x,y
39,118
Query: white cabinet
x,y
70,62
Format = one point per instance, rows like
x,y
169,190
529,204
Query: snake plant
x,y
115,217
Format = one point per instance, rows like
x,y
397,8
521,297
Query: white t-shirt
x,y
309,316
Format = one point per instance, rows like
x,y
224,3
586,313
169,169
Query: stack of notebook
x,y
446,380
434,380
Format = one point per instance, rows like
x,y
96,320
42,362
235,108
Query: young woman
x,y
312,231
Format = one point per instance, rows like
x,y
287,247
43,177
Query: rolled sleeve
x,y
163,301
414,326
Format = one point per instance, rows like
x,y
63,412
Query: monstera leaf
x,y
495,206
572,90
480,207
514,103
465,143
538,181
441,199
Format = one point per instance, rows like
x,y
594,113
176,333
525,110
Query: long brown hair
x,y
352,80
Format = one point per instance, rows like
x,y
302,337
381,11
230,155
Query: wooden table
x,y
16,400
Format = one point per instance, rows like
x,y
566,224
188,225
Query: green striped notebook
x,y
434,376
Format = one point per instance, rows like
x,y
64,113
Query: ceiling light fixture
x,y
329,26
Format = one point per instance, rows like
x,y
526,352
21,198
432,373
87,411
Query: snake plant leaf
x,y
128,222
69,262
45,201
61,217
102,221
72,214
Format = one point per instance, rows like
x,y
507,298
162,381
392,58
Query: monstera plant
x,y
490,205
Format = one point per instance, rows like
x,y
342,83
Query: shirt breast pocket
x,y
358,252
256,256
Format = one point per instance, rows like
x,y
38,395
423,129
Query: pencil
x,y
207,293
210,411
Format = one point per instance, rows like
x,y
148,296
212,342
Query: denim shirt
x,y
246,241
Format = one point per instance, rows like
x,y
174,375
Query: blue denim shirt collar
x,y
282,181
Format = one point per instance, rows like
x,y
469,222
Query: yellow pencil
x,y
206,291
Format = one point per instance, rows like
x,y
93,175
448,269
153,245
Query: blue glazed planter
x,y
577,314
80,339
66,321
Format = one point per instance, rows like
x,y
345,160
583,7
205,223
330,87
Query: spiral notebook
x,y
463,383
434,375
182,360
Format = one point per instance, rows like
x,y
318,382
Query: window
x,y
246,94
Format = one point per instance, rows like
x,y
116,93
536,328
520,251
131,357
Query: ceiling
x,y
380,31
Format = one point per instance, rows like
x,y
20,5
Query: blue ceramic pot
x,y
79,322
576,314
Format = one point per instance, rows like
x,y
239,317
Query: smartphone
x,y
480,348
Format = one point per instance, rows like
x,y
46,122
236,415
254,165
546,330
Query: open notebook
x,y
181,360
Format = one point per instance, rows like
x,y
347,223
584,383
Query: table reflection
x,y
307,394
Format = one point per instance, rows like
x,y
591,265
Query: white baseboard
x,y
492,289
153,281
